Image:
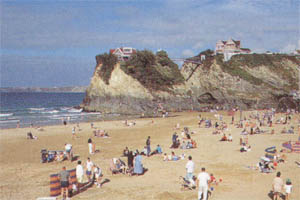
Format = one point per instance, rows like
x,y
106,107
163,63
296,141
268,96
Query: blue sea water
x,y
40,109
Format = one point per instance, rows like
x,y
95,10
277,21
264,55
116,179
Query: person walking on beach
x,y
64,177
89,168
73,132
202,184
189,169
148,146
277,186
79,174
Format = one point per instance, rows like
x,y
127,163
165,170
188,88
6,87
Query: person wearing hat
x,y
288,188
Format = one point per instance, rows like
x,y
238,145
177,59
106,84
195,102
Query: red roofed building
x,y
123,53
229,48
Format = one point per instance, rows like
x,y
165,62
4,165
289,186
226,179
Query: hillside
x,y
148,83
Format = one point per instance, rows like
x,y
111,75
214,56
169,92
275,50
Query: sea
x,y
40,109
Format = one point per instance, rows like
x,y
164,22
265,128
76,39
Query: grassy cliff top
x,y
154,71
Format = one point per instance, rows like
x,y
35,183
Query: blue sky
x,y
54,43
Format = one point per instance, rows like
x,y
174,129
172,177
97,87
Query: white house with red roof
x,y
123,53
229,48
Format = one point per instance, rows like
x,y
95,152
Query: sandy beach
x,y
23,176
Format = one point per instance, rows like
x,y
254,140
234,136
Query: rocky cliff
x,y
152,83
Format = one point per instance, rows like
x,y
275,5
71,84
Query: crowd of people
x,y
203,181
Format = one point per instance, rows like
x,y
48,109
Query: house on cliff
x,y
229,48
123,53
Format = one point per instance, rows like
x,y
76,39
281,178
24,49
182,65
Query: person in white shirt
x,y
89,167
68,148
202,184
79,173
189,169
98,176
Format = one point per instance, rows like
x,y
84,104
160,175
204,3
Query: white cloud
x,y
188,53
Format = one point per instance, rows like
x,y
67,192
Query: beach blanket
x,y
293,146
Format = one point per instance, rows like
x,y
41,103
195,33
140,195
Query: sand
x,y
23,176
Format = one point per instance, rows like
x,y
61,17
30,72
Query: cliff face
x,y
248,81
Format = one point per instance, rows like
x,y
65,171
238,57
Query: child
x,y
288,188
98,176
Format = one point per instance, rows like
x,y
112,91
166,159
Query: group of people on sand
x,y
93,176
278,187
134,162
185,142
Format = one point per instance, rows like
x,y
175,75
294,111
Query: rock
x,y
246,81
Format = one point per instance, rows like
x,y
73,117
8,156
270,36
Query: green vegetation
x,y
108,62
154,72
274,63
235,69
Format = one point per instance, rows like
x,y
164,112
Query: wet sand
x,y
23,176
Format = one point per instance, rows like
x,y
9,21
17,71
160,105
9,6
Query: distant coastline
x,y
71,89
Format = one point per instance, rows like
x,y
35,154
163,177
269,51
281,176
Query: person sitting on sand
x,y
284,130
30,136
229,138
189,145
257,130
144,151
244,148
157,150
174,157
224,138
183,145
194,144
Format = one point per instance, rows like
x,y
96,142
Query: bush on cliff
x,y
108,62
147,69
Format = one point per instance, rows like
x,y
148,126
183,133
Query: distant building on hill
x,y
123,53
229,48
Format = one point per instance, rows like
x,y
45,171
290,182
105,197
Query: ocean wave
x,y
6,114
50,112
36,109
9,121
74,110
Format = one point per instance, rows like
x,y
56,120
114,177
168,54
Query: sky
x,y
54,43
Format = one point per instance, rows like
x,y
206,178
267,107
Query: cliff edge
x,y
149,83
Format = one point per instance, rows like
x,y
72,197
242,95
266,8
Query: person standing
x,y
277,186
89,168
189,169
64,177
148,146
79,173
288,189
202,184
138,166
73,132
90,145
68,148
